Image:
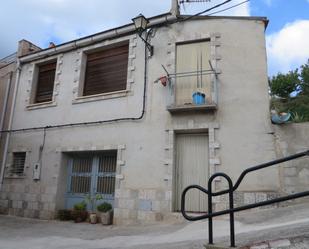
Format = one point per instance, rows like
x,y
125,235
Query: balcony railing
x,y
192,91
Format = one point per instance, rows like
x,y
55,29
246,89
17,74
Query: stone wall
x,y
32,201
292,138
141,206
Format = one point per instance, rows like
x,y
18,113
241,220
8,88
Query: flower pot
x,y
106,218
198,98
79,216
93,218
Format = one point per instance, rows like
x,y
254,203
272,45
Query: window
x,y
106,70
45,82
18,165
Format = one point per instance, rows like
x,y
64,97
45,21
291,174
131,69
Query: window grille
x,y
18,165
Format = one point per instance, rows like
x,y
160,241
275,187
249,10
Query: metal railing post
x,y
230,191
210,232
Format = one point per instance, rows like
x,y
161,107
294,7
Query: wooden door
x,y
192,168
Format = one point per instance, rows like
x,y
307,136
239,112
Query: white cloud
x,y
62,20
288,48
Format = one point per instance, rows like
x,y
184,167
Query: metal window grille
x,y
81,175
107,173
93,174
18,165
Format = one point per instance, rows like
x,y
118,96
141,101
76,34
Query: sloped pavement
x,y
285,227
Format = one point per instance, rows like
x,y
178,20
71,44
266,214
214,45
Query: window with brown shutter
x,y
106,71
45,83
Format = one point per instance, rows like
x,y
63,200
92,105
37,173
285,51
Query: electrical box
x,y
36,171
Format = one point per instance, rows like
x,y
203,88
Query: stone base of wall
x,y
27,201
242,198
141,206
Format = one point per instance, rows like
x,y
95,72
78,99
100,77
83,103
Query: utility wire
x,y
100,121
204,11
236,5
145,84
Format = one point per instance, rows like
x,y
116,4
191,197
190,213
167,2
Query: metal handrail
x,y
232,188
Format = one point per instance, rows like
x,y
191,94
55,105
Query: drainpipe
x,y
6,97
8,135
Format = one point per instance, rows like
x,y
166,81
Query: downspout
x,y
6,97
8,135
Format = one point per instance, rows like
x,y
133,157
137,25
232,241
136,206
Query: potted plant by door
x,y
92,200
79,213
106,212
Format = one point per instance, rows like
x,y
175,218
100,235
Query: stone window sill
x,y
102,96
15,176
41,105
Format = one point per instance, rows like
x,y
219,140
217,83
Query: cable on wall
x,y
148,34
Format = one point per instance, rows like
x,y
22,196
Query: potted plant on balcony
x,y
92,200
106,212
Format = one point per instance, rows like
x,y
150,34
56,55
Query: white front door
x,y
192,168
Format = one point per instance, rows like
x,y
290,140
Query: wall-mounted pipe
x,y
8,135
6,98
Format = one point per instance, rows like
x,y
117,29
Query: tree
x,y
282,85
304,74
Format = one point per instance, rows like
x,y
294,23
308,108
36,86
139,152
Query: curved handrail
x,y
231,190
261,166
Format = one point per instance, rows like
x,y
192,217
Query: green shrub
x,y
297,106
104,207
81,206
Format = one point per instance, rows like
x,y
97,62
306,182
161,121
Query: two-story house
x,y
106,114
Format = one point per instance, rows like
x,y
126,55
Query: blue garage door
x,y
91,174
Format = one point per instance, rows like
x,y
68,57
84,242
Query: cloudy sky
x,y
59,21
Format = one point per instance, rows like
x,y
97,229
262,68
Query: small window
x,y
45,82
106,71
18,165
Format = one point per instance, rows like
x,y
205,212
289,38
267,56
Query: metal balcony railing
x,y
231,189
192,90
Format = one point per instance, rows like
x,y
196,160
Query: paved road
x,y
251,227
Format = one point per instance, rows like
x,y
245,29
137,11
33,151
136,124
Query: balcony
x,y
194,91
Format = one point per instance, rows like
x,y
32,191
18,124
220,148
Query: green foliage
x,y
297,118
92,200
304,74
297,106
81,206
282,85
104,207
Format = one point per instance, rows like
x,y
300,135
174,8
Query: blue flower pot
x,y
198,98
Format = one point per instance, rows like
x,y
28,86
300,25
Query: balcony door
x,y
192,59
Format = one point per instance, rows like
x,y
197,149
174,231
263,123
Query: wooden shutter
x,y
106,71
45,85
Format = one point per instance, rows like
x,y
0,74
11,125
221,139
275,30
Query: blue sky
x,y
287,36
